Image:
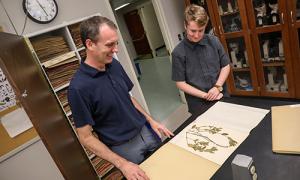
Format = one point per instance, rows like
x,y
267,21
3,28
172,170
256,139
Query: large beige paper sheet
x,y
286,129
220,143
219,131
171,162
239,117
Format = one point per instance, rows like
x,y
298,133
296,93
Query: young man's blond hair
x,y
197,14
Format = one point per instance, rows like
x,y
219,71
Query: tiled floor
x,y
160,92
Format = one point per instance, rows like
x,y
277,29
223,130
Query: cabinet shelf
x,y
269,64
235,12
229,35
241,69
80,49
62,87
268,28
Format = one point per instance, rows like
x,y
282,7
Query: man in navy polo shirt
x,y
100,102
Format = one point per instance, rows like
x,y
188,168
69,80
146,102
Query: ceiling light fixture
x,y
122,6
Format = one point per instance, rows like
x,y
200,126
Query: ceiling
x,y
117,3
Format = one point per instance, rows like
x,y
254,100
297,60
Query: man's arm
x,y
213,93
185,87
157,127
129,169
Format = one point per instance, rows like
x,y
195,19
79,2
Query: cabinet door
x,y
269,26
294,22
234,34
42,108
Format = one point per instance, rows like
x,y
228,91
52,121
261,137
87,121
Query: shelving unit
x,y
59,51
259,37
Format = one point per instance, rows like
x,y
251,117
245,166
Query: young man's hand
x,y
214,94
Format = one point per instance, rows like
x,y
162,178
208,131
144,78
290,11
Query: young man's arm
x,y
157,127
129,169
213,93
185,87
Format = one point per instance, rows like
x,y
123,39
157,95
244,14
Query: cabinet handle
x,y
282,18
292,19
220,29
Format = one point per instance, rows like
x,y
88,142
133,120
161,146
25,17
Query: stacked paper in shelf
x,y
101,166
60,60
114,175
219,131
67,108
96,160
61,75
75,33
72,121
48,47
62,96
82,54
89,153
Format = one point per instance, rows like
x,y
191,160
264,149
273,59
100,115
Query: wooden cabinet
x,y
58,52
293,16
234,34
41,105
269,27
259,36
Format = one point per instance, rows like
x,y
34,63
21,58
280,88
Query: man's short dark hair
x,y
89,29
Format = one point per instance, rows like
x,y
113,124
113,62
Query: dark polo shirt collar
x,y
192,45
91,71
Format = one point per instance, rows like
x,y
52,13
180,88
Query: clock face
x,y
40,11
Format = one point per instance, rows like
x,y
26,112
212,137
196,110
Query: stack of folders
x,y
286,129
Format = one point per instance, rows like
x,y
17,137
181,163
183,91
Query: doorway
x,y
137,33
154,66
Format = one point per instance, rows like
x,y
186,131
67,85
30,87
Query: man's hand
x,y
159,128
213,94
133,172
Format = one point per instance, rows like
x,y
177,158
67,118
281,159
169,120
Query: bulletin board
x,y
8,104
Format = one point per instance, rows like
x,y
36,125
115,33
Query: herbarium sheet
x,y
219,131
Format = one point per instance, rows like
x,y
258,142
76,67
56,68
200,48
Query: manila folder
x,y
286,129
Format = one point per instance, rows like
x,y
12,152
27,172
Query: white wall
x,y
34,162
151,26
170,18
69,10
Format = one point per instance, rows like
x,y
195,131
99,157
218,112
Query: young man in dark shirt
x,y
200,65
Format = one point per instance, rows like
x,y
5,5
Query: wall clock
x,y
40,11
